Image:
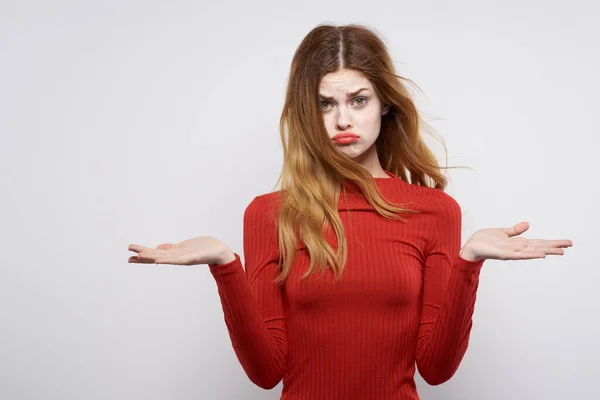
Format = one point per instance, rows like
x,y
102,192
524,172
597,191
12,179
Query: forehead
x,y
343,81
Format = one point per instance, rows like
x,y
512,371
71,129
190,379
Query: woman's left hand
x,y
502,244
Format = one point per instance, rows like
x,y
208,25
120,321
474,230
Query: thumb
x,y
516,229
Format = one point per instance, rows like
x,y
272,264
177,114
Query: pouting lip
x,y
345,134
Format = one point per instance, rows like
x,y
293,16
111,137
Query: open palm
x,y
199,250
503,244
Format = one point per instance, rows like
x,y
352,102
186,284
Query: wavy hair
x,y
313,169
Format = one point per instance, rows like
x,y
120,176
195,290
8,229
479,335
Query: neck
x,y
370,160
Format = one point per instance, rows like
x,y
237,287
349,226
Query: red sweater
x,y
405,300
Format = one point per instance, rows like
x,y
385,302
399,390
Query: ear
x,y
385,109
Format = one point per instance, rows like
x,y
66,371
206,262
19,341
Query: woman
x,y
397,292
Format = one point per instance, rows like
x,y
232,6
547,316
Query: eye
x,y
363,102
323,102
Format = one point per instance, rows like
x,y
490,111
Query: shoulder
x,y
264,207
265,201
431,199
439,203
444,216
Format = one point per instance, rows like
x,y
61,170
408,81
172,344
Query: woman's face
x,y
348,109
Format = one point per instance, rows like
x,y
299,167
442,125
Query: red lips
x,y
345,135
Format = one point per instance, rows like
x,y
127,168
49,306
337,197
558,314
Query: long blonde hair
x,y
313,169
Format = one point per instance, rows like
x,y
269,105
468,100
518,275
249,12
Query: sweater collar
x,y
353,199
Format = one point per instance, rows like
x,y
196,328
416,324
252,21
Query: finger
x,y
166,246
553,251
517,229
539,247
137,248
151,254
561,243
526,255
551,243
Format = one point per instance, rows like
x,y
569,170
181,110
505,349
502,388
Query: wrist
x,y
467,254
227,256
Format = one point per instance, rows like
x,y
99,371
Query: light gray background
x,y
153,121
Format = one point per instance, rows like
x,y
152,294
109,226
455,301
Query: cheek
x,y
370,118
329,121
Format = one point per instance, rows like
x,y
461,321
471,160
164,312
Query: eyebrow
x,y
350,94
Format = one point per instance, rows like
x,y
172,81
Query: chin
x,y
352,153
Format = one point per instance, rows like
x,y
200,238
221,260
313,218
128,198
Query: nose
x,y
343,120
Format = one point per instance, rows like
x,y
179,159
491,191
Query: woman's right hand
x,y
200,250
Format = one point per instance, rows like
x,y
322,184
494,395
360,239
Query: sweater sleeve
x,y
449,291
252,303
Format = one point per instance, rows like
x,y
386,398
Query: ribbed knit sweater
x,y
405,300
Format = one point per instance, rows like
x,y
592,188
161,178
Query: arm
x,y
252,303
449,291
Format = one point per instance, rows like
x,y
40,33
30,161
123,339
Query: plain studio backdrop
x,y
152,121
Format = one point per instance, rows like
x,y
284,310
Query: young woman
x,y
354,272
